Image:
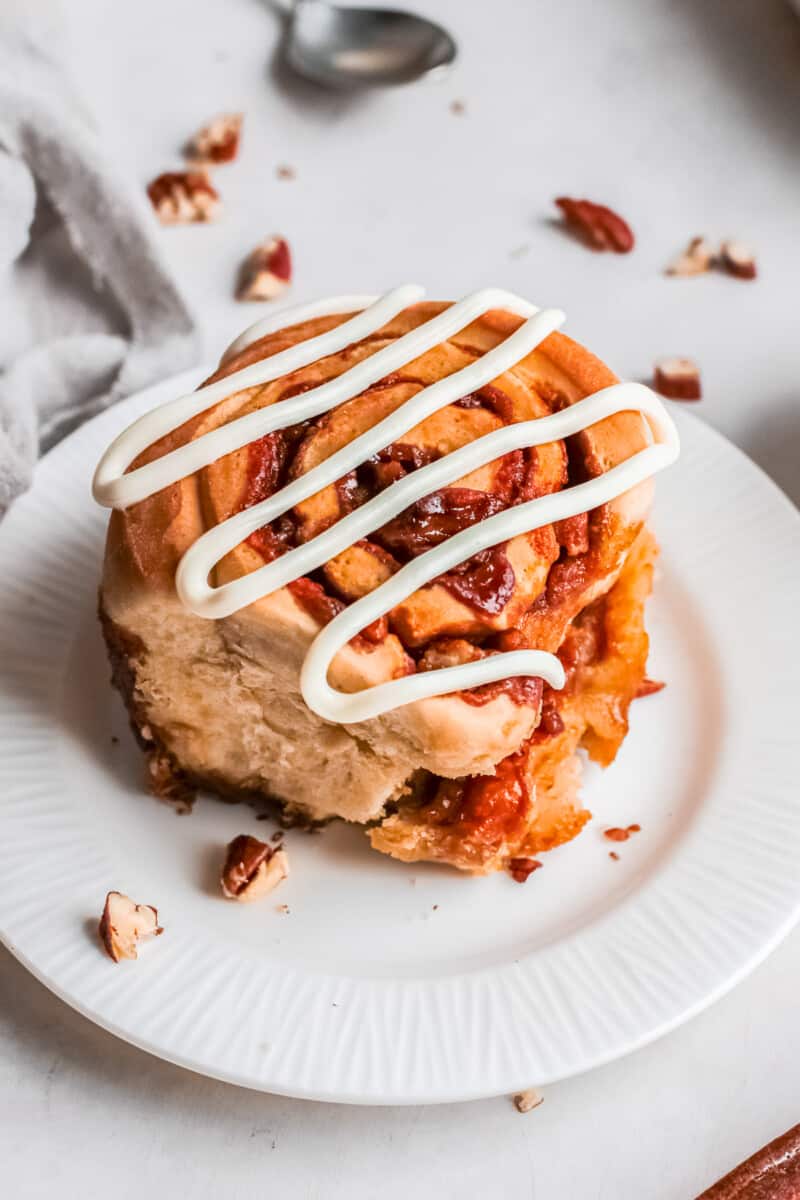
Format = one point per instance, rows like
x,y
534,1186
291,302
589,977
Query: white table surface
x,y
685,117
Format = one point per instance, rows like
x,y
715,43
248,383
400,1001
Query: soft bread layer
x,y
222,698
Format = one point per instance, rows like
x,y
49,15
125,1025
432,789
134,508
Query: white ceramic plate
x,y
388,983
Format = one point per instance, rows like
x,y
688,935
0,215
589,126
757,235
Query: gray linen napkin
x,y
88,312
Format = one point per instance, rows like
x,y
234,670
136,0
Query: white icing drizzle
x,y
114,488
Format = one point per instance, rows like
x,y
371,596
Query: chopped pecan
x,y
527,1100
737,259
551,722
252,868
167,782
266,272
124,924
218,141
180,197
696,259
448,652
573,534
599,227
284,171
677,378
520,868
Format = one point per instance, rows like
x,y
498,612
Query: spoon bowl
x,y
364,47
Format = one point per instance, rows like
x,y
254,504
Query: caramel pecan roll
x,y
477,778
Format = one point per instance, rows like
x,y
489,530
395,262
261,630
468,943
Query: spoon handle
x,y
283,8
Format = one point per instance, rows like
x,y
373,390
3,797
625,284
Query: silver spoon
x,y
363,47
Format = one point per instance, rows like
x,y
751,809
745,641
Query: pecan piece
x,y
180,197
677,378
124,924
520,868
167,782
218,141
266,272
737,259
696,259
252,868
527,1100
599,227
551,722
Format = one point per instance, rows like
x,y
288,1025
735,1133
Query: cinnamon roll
x,y
461,557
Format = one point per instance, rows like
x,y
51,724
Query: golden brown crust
x,y
146,541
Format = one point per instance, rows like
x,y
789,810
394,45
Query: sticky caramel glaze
x,y
529,805
485,583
